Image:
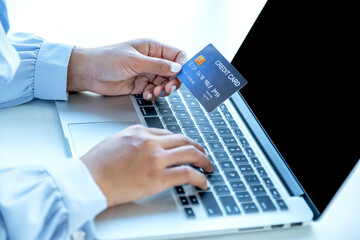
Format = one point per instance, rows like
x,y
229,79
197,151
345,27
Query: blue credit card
x,y
211,78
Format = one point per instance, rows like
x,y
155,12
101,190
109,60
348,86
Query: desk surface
x,y
190,25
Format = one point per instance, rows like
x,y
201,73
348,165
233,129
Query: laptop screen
x,y
304,93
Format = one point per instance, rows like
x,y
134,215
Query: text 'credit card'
x,y
211,78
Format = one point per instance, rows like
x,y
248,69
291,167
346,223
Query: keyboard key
x,y
250,208
215,179
238,133
223,131
234,150
238,186
198,139
221,156
192,103
265,203
174,98
184,201
216,170
154,122
219,123
138,96
189,213
180,190
211,137
142,102
282,205
178,106
182,114
187,95
258,190
243,196
232,176
148,111
252,179
187,123
244,142
209,202
215,115
226,165
255,161
216,146
268,182
193,200
169,119
191,132
249,152
222,190
246,169
228,140
202,120
240,159
228,115
275,193
165,111
197,112
161,103
223,108
174,128
230,205
206,128
233,124
262,172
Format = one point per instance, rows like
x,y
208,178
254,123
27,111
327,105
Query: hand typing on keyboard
x,y
138,162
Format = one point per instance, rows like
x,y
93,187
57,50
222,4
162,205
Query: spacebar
x,y
209,202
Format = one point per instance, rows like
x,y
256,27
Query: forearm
x,y
42,73
50,201
77,70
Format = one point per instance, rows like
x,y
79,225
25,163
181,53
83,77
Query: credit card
x,y
211,78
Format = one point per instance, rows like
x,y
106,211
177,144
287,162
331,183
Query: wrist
x,y
76,71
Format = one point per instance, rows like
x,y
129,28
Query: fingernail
x,y
173,88
149,96
162,93
175,67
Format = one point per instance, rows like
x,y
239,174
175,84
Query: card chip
x,y
200,60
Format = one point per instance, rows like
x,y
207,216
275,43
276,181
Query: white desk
x,y
32,132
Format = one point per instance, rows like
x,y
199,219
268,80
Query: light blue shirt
x,y
49,201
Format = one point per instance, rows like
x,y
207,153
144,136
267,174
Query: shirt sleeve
x,y
42,73
49,202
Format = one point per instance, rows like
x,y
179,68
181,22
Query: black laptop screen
x,y
302,90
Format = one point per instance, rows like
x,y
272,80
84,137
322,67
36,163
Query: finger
x,y
158,66
188,155
185,175
148,93
159,91
168,52
172,85
140,82
159,80
178,140
158,131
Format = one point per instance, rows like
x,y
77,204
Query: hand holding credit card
x,y
210,77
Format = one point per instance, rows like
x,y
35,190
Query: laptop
x,y
281,148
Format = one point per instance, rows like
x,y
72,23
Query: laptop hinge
x,y
267,146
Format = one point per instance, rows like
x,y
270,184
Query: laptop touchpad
x,y
86,135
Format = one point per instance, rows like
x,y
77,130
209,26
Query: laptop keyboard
x,y
239,183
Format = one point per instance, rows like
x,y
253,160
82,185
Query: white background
x,y
32,131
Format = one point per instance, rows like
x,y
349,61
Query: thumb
x,y
158,66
